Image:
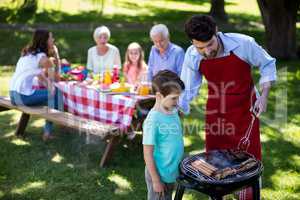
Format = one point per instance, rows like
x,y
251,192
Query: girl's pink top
x,y
133,74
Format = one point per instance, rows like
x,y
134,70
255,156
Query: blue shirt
x,y
164,132
242,46
172,60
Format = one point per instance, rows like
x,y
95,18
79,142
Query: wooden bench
x,y
109,133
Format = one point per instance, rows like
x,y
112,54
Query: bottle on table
x,y
115,76
107,79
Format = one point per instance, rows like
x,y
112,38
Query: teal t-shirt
x,y
164,132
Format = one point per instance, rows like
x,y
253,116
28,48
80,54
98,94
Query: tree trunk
x,y
217,10
29,6
279,18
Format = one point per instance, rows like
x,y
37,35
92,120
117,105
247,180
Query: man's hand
x,y
159,187
260,105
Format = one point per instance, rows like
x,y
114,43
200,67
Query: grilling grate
x,y
220,159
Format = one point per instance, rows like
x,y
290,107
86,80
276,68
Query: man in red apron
x,y
226,61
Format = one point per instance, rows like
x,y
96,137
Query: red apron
x,y
231,94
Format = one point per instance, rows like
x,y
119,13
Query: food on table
x,y
65,77
115,77
107,78
81,68
96,77
120,87
104,87
68,73
79,73
143,90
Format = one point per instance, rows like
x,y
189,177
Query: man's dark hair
x,y
165,82
200,27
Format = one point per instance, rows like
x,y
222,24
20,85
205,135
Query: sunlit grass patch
x,y
67,168
20,142
29,186
38,122
286,180
267,194
123,185
57,158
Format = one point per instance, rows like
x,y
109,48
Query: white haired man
x,y
163,54
103,56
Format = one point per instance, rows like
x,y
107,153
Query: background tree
x,y
279,18
29,6
217,10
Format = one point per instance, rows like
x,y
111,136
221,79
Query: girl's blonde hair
x,y
135,45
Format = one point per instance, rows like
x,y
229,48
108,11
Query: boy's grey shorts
x,y
154,195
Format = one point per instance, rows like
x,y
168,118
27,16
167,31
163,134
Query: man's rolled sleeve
x,y
192,80
260,58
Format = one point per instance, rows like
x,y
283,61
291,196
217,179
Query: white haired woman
x,y
103,56
163,54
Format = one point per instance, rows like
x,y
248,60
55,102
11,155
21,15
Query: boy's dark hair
x,y
166,81
200,27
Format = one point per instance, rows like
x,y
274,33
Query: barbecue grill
x,y
216,184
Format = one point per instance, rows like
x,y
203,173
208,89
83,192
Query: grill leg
x,y
256,190
179,192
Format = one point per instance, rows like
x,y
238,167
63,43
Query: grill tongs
x,y
245,140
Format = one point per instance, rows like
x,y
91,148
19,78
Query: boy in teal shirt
x,y
163,137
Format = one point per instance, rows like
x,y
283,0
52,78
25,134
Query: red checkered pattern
x,y
92,104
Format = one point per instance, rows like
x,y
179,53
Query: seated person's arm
x,y
48,71
54,56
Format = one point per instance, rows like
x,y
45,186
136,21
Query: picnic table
x,y
123,110
119,109
104,114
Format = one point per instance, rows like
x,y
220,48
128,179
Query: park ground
x,y
67,168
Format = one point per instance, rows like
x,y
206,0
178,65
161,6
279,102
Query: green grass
x,y
67,168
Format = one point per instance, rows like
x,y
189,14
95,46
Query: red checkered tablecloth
x,y
92,104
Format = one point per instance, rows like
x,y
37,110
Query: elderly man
x,y
163,54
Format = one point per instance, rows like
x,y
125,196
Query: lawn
x,y
67,168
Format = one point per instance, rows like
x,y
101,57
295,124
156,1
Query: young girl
x,y
135,68
36,62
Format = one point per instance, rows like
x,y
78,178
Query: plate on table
x,y
104,88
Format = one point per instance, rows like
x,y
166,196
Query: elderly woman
x,y
103,56
163,54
